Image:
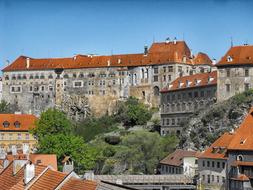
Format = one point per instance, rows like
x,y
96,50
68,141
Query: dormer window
x,y
229,59
17,124
6,124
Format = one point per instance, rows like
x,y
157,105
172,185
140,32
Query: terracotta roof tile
x,y
192,81
159,53
218,149
239,54
243,136
76,184
26,121
49,180
202,58
176,158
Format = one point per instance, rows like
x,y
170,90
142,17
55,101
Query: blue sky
x,y
62,28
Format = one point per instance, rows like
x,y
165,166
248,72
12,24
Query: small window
x,y
65,76
24,76
81,75
27,136
19,136
228,87
155,70
36,76
6,77
31,77
228,72
17,124
218,164
78,84
246,72
155,78
170,68
246,86
50,88
50,76
38,162
74,75
42,76
6,124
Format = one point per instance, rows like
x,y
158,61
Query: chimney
x,y
175,40
25,149
108,63
74,57
167,40
145,50
214,61
68,165
29,172
18,164
27,62
14,150
89,175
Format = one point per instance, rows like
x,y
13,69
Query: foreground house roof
x,y
192,81
237,55
158,53
17,122
176,158
241,139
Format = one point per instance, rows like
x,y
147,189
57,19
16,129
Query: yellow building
x,y
14,131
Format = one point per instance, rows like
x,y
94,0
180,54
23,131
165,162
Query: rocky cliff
x,y
205,126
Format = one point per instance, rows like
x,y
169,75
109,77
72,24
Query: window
x,y
202,93
65,76
74,75
2,136
208,178
246,72
218,179
223,179
78,84
50,76
169,77
10,136
81,75
208,164
203,177
228,87
213,164
17,124
228,72
223,165
164,78
246,86
6,77
42,76
42,88
36,76
31,77
6,124
15,89
27,136
38,162
173,121
155,70
196,94
170,68
203,163
50,88
31,88
212,178
218,164
190,95
155,78
24,76
19,136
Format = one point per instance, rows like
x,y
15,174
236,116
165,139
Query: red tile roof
x,y
218,149
202,58
241,177
239,54
48,180
192,81
159,53
77,184
26,121
243,137
176,158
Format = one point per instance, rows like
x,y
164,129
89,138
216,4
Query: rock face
x,y
206,125
75,106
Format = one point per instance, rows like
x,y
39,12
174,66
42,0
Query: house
x,y
235,71
228,162
180,162
14,131
184,96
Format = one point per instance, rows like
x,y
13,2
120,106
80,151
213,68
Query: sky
x,y
63,28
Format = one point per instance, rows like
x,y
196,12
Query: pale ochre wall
x,y
11,138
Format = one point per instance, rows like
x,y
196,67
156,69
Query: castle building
x,y
184,96
14,131
35,85
235,72
228,162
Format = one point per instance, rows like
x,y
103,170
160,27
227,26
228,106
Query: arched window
x,y
17,124
81,75
156,91
6,124
7,77
24,76
239,158
31,77
50,76
74,75
65,76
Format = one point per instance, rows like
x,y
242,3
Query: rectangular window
x,y
27,136
208,164
246,72
212,178
218,164
155,70
218,179
228,72
167,121
208,178
213,164
223,165
164,69
2,136
15,89
228,87
170,68
203,177
169,77
19,136
164,78
155,78
246,86
50,88
78,84
190,95
202,93
173,121
203,163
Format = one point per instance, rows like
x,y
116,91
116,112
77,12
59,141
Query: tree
x,y
52,122
5,107
132,112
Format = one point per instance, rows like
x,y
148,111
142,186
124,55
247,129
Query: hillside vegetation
x,y
205,126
